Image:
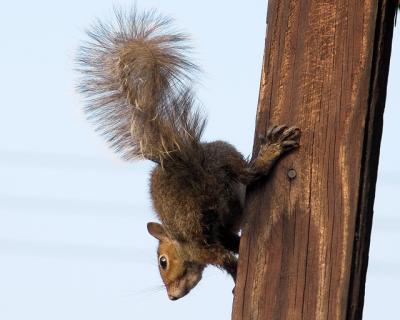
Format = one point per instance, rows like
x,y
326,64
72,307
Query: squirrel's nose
x,y
173,298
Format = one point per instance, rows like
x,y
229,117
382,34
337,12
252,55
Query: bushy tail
x,y
137,78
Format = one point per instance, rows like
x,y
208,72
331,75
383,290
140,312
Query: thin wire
x,y
75,162
35,205
74,251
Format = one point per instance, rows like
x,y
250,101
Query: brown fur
x,y
137,81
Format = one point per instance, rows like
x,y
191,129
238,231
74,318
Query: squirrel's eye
x,y
163,262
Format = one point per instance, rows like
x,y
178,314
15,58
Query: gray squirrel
x,y
137,79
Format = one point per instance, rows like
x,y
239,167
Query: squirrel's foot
x,y
278,140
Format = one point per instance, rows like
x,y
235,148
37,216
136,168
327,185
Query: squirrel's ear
x,y
156,230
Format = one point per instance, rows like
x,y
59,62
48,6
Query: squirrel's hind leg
x,y
229,264
278,140
230,240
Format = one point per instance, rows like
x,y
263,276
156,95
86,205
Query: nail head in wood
x,y
291,174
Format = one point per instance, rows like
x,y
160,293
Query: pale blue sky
x,y
73,242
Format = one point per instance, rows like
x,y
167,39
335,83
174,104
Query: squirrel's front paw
x,y
280,139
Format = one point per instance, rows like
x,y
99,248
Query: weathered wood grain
x,y
304,250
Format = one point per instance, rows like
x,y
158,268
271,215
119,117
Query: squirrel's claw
x,y
280,138
280,134
291,133
291,144
275,131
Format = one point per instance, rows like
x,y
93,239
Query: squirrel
x,y
137,78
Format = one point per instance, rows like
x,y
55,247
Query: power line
x,y
33,204
54,160
74,251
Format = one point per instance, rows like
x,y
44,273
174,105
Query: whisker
x,y
146,291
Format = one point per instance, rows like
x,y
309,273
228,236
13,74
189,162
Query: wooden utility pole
x,y
304,250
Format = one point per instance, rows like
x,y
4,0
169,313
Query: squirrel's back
x,y
183,202
137,78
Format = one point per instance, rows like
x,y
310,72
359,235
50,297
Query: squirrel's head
x,y
178,274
